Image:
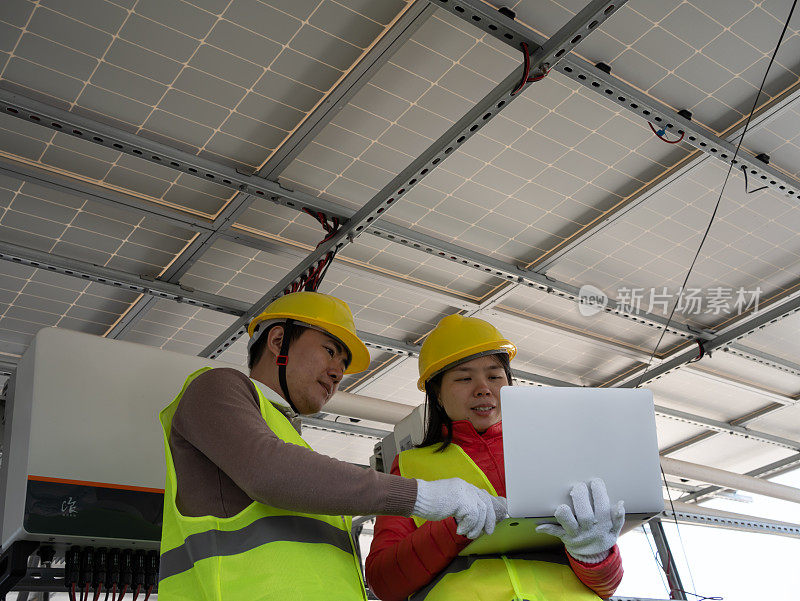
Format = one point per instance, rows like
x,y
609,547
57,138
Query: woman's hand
x,y
591,532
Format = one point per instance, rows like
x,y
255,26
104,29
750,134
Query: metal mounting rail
x,y
744,523
487,108
768,316
724,427
118,279
40,176
531,279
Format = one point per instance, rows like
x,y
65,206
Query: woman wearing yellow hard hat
x,y
463,364
250,510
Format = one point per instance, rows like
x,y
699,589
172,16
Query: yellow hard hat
x,y
323,312
456,338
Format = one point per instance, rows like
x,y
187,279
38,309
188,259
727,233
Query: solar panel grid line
x,y
400,32
484,110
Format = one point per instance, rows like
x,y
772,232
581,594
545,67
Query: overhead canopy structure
x,y
155,161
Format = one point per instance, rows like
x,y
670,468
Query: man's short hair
x,y
291,332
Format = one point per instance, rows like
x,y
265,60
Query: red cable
x,y
72,592
136,594
524,80
149,590
114,592
124,590
85,595
662,138
97,592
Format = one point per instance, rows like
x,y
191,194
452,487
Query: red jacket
x,y
404,558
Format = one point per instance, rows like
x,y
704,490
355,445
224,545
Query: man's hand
x,y
589,533
474,509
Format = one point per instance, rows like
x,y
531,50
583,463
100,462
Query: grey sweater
x,y
226,456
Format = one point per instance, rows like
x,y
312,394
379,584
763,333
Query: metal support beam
x,y
763,358
667,562
780,399
726,428
40,176
705,516
766,316
771,470
542,59
275,247
119,279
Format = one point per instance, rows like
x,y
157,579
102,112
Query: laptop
x,y
554,438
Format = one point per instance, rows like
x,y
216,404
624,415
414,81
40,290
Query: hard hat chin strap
x,y
282,360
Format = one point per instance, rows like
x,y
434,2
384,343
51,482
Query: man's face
x,y
316,365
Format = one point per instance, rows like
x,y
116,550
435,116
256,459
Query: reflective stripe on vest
x,y
535,576
214,543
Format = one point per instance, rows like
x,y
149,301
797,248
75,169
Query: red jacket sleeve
x,y
404,558
604,577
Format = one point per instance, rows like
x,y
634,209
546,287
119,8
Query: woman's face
x,y
471,390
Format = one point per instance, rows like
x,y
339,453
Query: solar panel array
x,y
563,167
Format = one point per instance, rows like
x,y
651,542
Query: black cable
x,y
746,185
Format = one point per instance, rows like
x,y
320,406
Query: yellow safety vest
x,y
514,577
262,553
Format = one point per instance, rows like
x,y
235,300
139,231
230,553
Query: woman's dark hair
x,y
290,331
436,418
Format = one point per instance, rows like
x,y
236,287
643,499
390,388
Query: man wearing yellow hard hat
x,y
250,511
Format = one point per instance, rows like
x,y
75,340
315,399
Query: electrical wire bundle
x,y
114,572
311,279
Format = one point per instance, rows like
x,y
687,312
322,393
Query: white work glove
x,y
588,534
475,510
